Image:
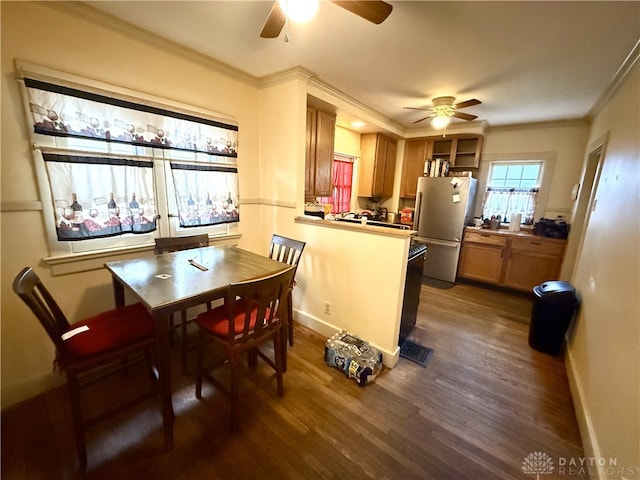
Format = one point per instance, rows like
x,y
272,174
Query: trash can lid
x,y
556,291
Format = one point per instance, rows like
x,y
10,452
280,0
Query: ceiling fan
x,y
375,11
443,109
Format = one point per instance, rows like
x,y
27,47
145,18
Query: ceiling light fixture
x,y
443,110
358,123
299,10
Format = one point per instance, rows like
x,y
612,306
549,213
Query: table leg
x,y
163,354
118,293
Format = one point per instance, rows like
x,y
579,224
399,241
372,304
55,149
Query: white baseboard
x,y
585,426
389,359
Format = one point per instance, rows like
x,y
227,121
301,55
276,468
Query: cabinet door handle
x,y
535,243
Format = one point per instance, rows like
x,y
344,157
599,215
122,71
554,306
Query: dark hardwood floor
x,y
484,402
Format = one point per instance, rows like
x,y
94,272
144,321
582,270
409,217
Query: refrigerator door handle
x,y
442,243
416,212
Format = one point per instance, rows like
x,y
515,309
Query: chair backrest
x,y
255,305
286,250
33,292
173,244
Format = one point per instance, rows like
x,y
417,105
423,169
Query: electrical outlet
x,y
327,308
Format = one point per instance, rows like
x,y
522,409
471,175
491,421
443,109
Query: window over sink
x,y
512,188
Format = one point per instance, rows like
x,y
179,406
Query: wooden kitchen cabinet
x,y
415,154
532,261
512,260
377,165
481,257
461,151
320,138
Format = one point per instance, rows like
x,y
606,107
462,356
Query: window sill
x,y
83,262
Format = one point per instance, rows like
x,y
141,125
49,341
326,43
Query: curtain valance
x,y
65,111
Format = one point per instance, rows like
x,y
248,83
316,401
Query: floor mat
x,y
416,353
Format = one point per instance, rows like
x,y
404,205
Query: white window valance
x,y
62,110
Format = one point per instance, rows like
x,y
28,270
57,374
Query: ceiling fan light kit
x,y
440,121
299,10
443,109
376,11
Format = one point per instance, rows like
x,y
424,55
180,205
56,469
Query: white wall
x,y
603,356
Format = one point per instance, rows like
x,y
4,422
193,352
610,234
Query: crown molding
x,y
578,122
297,72
618,79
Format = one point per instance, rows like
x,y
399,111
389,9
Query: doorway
x,y
584,204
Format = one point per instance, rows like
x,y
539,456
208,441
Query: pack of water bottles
x,y
355,357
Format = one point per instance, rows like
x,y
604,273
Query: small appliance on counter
x,y
406,216
314,209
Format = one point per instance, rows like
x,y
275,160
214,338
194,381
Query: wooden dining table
x,y
171,282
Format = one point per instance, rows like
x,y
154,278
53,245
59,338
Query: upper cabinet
x,y
415,154
319,153
462,152
377,165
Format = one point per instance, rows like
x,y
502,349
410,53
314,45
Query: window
x,y
121,168
512,188
342,185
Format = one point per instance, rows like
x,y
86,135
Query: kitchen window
x,y
342,184
512,188
118,168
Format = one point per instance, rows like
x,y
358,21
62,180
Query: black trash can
x,y
554,307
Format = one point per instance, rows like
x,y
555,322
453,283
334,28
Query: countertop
x,y
364,228
523,233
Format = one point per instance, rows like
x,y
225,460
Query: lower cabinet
x,y
532,262
481,258
510,260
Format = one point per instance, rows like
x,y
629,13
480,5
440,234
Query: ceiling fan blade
x,y
417,108
464,116
423,118
275,22
375,11
468,103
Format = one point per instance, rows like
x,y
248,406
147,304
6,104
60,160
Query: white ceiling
x,y
526,61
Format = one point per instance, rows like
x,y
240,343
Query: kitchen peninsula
x,y
359,285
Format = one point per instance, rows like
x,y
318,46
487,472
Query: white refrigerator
x,y
444,206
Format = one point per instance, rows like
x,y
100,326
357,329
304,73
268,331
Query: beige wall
x,y
603,357
603,352
563,141
27,353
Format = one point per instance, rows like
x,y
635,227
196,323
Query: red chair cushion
x,y
215,321
108,331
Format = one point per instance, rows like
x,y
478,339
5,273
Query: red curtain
x,y
342,177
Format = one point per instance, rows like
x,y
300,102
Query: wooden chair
x,y
288,251
92,348
173,244
250,316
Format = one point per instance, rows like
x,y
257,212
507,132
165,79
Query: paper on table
x,y
71,333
